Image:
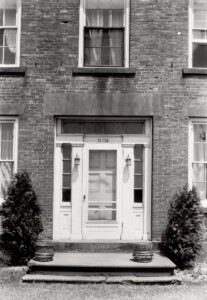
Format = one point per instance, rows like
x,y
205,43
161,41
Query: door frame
x,y
103,227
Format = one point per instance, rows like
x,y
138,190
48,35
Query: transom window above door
x,y
104,33
93,127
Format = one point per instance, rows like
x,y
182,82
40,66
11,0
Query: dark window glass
x,y
66,175
71,127
199,56
134,128
137,196
138,173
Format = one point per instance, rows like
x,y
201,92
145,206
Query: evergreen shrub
x,y
184,235
21,222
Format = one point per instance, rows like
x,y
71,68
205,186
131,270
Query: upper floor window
x,y
104,33
8,153
198,33
10,11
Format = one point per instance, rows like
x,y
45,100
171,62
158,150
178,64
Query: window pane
x,y
66,181
1,17
1,55
200,13
91,17
105,57
6,140
9,57
8,4
138,181
94,128
116,57
6,174
201,188
137,196
66,149
199,151
10,17
200,132
1,37
116,38
102,215
94,38
199,56
67,166
134,128
113,128
69,127
117,18
138,167
92,56
200,34
104,17
138,152
199,173
105,4
66,195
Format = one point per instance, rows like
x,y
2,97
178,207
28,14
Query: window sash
x,y
7,155
104,47
113,6
10,32
66,172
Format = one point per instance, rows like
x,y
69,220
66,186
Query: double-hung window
x,y
198,34
104,33
10,11
8,152
198,158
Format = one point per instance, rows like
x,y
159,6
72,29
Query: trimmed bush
x,y
183,237
21,222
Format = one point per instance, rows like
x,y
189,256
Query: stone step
x,y
101,279
114,264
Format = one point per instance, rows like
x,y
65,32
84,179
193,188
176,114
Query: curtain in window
x,y
6,156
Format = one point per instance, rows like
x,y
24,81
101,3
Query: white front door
x,y
102,200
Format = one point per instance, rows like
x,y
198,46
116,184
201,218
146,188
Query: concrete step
x,y
98,264
101,279
94,246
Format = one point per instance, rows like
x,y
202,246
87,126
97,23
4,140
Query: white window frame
x,y
18,28
82,23
191,40
15,121
191,152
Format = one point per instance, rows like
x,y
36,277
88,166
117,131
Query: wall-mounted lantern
x,y
77,160
128,161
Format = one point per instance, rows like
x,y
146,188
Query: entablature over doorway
x,y
103,104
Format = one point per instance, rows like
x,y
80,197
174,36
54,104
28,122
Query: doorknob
x,y
84,197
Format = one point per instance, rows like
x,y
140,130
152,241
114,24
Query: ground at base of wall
x,y
12,288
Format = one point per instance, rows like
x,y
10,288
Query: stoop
x,y
99,267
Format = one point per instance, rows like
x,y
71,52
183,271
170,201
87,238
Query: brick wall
x,y
158,51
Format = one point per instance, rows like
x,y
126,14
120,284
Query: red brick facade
x,y
158,52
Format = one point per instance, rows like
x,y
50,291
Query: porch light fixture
x,y
128,161
77,160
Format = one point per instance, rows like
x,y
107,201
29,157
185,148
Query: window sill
x,y
194,71
103,71
12,71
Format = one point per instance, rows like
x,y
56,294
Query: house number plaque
x,y
102,141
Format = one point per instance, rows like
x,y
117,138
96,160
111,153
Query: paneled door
x,y
102,200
